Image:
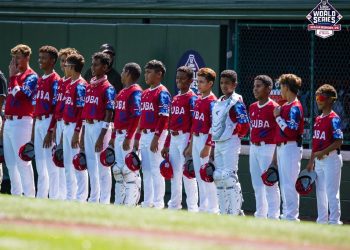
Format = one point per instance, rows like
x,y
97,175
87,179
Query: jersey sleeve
x,y
238,113
29,86
193,100
81,92
54,92
336,128
110,96
135,104
164,103
291,126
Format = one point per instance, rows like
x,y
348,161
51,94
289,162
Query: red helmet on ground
x,y
132,161
270,176
57,155
206,172
79,162
107,157
304,182
2,157
166,169
26,152
189,169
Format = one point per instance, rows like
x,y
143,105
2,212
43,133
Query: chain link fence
x,y
275,49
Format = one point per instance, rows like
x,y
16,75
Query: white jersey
x,y
222,125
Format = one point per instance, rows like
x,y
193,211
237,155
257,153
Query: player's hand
x,y
277,111
111,142
75,140
319,155
99,144
205,151
310,166
12,67
188,151
154,144
165,152
126,144
48,140
136,145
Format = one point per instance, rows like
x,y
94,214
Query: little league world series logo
x,y
324,18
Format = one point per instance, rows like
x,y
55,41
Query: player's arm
x,y
337,136
49,139
163,118
290,128
27,89
79,104
110,96
238,114
188,150
208,143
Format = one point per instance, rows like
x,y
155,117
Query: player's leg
x,y
220,180
158,179
119,189
333,165
281,180
62,175
92,164
258,185
105,173
146,169
198,144
71,181
41,167
10,158
176,160
272,193
321,195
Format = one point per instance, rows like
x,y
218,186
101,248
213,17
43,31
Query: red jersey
x,y
74,97
327,129
46,95
155,103
201,120
290,122
21,93
99,97
181,112
262,122
62,83
128,109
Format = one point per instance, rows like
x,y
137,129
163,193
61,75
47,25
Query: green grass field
x,y
45,224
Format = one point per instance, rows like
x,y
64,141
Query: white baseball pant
x,y
17,132
288,161
328,172
62,176
208,200
100,176
48,172
128,183
77,181
267,198
178,144
153,181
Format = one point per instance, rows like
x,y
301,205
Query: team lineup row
x,y
78,131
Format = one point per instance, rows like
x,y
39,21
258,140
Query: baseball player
x,y
288,138
126,119
229,123
97,113
262,148
155,103
200,145
180,123
18,123
74,99
326,157
45,101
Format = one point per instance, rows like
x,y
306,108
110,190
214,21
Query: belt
x,y
176,133
146,131
67,123
42,117
92,121
337,150
198,134
260,143
120,131
286,142
13,117
59,119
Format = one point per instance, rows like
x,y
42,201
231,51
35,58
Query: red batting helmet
x,y
57,155
79,161
304,182
166,169
2,158
132,161
107,157
26,152
206,172
270,176
189,169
